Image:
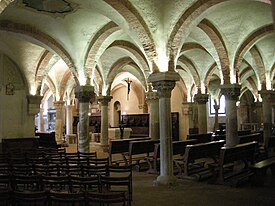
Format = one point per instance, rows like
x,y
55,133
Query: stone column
x,y
164,83
216,124
84,94
187,108
58,121
231,93
104,100
69,119
153,102
41,120
201,100
267,97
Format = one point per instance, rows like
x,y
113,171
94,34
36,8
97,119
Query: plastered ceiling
x,y
209,42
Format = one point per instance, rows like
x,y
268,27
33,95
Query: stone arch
x,y
260,65
118,67
133,49
249,42
95,43
182,26
137,23
219,45
209,74
51,86
192,70
64,81
32,32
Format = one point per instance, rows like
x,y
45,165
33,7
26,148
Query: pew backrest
x,y
140,147
120,146
201,138
245,152
203,150
249,138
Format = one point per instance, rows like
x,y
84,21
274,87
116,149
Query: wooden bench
x,y
201,138
121,146
250,138
178,152
139,150
233,165
193,163
259,169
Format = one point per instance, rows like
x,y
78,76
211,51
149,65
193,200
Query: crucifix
x,y
129,87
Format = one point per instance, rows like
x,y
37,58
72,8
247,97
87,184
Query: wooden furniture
x,y
94,124
201,138
19,144
193,163
178,152
229,156
47,139
259,169
120,146
139,150
139,123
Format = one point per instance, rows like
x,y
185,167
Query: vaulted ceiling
x,y
58,44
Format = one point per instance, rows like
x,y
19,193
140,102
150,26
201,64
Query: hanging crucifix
x,y
129,87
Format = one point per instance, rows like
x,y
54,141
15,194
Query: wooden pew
x,y
229,156
201,138
260,168
121,146
249,138
139,150
178,152
194,159
47,139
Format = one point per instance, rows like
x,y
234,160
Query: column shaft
x,y
267,97
104,100
84,94
201,100
41,120
231,93
164,83
153,102
69,119
59,121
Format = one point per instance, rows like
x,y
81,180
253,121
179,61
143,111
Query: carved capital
x,y
164,82
59,105
231,91
104,100
201,98
84,93
267,95
34,102
164,88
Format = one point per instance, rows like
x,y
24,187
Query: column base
x,y
165,180
104,147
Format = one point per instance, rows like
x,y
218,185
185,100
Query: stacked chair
x,y
52,177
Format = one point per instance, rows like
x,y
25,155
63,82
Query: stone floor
x,y
191,193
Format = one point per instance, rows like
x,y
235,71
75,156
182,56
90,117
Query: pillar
x,y
267,96
84,95
201,100
59,121
69,119
188,123
41,120
153,102
231,93
104,100
164,83
216,124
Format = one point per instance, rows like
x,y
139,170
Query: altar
x,y
114,133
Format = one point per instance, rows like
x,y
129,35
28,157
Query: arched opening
x,y
117,114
